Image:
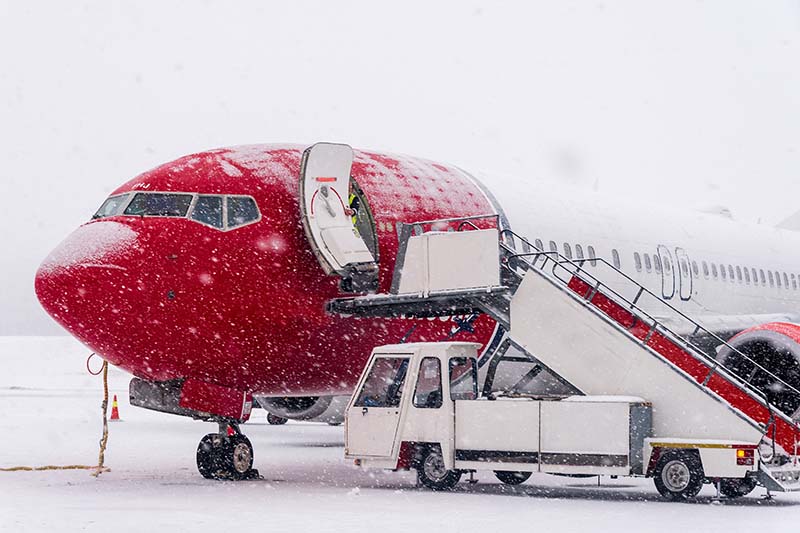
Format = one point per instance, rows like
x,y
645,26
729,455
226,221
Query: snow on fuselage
x,y
168,297
172,297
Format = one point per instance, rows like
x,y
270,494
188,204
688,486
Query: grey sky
x,y
691,103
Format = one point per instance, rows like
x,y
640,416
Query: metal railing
x,y
562,265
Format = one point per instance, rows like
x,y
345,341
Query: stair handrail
x,y
656,324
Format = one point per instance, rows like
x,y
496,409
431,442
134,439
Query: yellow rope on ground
x,y
100,467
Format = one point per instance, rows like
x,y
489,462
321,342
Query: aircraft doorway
x,y
684,269
667,272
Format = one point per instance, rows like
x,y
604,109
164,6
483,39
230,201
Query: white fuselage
x,y
678,255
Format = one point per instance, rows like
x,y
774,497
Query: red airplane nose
x,y
86,283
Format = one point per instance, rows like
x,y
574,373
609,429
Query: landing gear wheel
x,y
225,457
512,478
275,420
678,476
209,458
238,456
736,488
432,472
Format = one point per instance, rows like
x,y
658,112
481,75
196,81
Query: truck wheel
x,y
679,476
275,420
512,478
736,488
432,472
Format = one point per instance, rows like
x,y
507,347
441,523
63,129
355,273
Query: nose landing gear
x,y
226,456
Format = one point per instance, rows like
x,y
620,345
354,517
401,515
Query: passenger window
x,y
592,256
615,258
794,282
657,263
746,275
762,276
648,265
684,267
159,205
428,392
739,273
755,276
705,269
778,279
637,261
567,251
695,269
241,210
730,271
384,384
714,270
208,210
463,378
553,246
111,206
771,279
578,251
539,245
785,280
667,265
723,273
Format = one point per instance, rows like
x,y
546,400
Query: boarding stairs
x,y
597,328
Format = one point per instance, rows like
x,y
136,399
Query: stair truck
x,y
647,399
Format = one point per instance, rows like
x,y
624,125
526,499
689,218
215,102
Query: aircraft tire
x,y
209,459
237,453
512,478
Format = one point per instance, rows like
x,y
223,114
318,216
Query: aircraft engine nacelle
x,y
776,348
329,409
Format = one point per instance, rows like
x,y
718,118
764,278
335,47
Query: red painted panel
x,y
214,399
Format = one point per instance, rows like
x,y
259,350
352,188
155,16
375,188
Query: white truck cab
x,y
417,406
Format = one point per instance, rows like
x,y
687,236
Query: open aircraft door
x,y
328,219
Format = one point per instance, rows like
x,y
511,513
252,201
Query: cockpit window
x,y
111,206
241,210
159,205
208,210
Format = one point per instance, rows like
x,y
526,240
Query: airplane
x,y
206,278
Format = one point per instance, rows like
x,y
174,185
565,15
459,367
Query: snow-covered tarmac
x,y
50,415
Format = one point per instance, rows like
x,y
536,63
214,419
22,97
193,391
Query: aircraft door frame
x,y
667,272
685,280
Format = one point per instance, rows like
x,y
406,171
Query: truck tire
x,y
512,478
679,475
736,488
432,472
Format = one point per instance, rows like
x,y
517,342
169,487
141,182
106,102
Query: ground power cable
x,y
100,467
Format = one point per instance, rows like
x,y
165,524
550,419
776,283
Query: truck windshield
x,y
384,384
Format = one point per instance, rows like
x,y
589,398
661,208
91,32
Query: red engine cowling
x,y
772,350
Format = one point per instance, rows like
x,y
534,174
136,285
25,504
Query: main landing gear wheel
x,y
225,457
276,420
432,472
512,478
736,488
678,476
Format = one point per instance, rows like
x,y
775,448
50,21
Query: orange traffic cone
x,y
115,410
